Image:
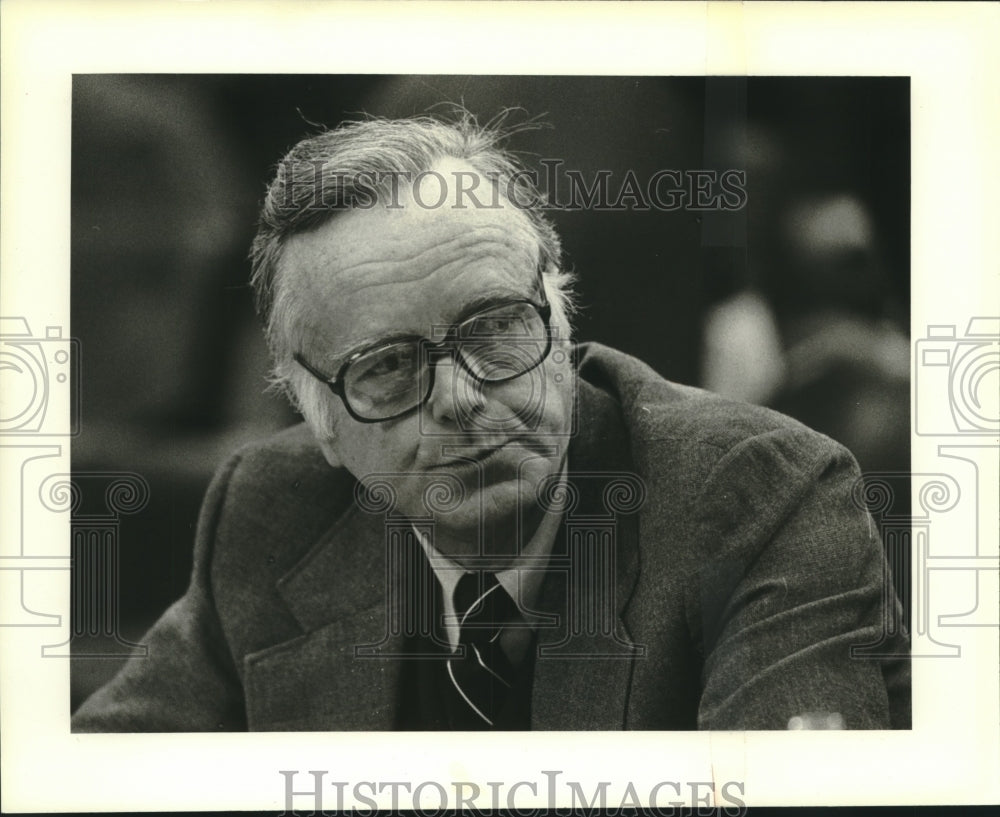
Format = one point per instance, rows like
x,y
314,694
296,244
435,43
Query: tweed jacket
x,y
742,577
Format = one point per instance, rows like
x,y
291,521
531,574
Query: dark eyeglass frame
x,y
434,349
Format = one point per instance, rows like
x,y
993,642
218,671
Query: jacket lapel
x,y
343,673
584,664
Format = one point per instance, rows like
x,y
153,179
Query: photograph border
x,y
952,753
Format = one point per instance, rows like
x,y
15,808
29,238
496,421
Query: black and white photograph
x,y
526,325
395,419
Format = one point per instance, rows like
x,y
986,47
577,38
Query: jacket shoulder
x,y
288,460
667,418
720,476
279,491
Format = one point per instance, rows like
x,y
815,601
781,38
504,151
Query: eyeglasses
x,y
495,345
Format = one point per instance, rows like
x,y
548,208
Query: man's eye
x,y
494,326
388,365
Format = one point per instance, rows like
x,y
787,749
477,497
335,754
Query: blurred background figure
x,y
742,355
820,338
810,313
847,355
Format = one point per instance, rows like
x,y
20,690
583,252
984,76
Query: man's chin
x,y
496,503
491,521
483,507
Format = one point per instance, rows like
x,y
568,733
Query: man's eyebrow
x,y
479,302
484,300
369,344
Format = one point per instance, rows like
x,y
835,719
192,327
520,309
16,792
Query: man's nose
x,y
455,396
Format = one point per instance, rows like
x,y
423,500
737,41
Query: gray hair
x,y
338,169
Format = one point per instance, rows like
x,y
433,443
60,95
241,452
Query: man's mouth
x,y
466,458
494,459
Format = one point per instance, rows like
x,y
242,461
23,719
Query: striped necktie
x,y
479,670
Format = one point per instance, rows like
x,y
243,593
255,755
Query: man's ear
x,y
329,452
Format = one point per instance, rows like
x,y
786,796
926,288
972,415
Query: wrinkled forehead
x,y
413,258
371,242
434,207
447,209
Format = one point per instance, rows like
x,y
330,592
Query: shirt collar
x,y
522,580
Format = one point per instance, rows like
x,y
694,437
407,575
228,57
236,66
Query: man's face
x,y
368,276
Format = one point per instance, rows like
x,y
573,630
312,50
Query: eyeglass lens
x,y
498,344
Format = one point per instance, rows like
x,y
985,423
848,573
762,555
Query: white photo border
x,y
952,753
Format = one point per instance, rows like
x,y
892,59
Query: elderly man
x,y
480,526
